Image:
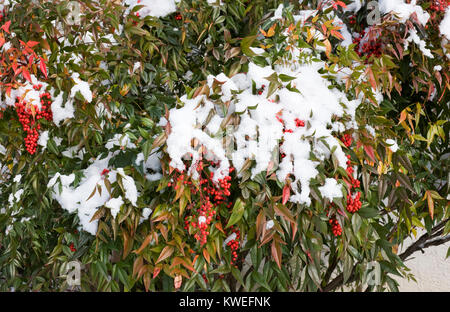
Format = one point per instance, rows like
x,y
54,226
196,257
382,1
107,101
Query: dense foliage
x,y
260,145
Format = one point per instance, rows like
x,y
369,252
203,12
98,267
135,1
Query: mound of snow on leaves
x,y
156,8
267,127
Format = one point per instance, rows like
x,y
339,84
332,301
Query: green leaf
x,y
246,44
285,78
237,213
368,213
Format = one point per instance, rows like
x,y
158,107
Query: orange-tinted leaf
x,y
5,27
165,253
337,34
206,255
430,204
276,253
271,30
218,225
147,280
32,43
156,271
283,211
137,265
144,244
42,66
286,193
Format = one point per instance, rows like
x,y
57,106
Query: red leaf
x,y
286,193
342,4
6,26
369,151
26,74
32,43
14,67
2,41
156,271
42,66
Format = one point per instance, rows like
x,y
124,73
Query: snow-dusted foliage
x,y
299,121
186,144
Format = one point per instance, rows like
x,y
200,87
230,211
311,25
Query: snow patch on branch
x,y
267,126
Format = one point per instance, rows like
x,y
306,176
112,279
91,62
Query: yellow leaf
x,y
430,204
124,90
271,30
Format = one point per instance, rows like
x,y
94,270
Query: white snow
x,y
82,87
76,199
61,113
278,12
259,132
114,204
131,192
393,145
153,163
413,37
145,214
229,239
404,10
269,224
444,27
156,8
122,140
26,93
43,138
17,178
331,189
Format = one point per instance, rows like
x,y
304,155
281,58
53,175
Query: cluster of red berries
x,y
354,183
335,227
347,140
211,195
234,244
260,91
371,47
352,20
31,124
299,123
72,247
439,5
353,200
105,172
354,203
178,16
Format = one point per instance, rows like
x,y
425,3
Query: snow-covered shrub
x,y
233,147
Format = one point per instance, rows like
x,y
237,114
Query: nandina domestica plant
x,y
221,145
